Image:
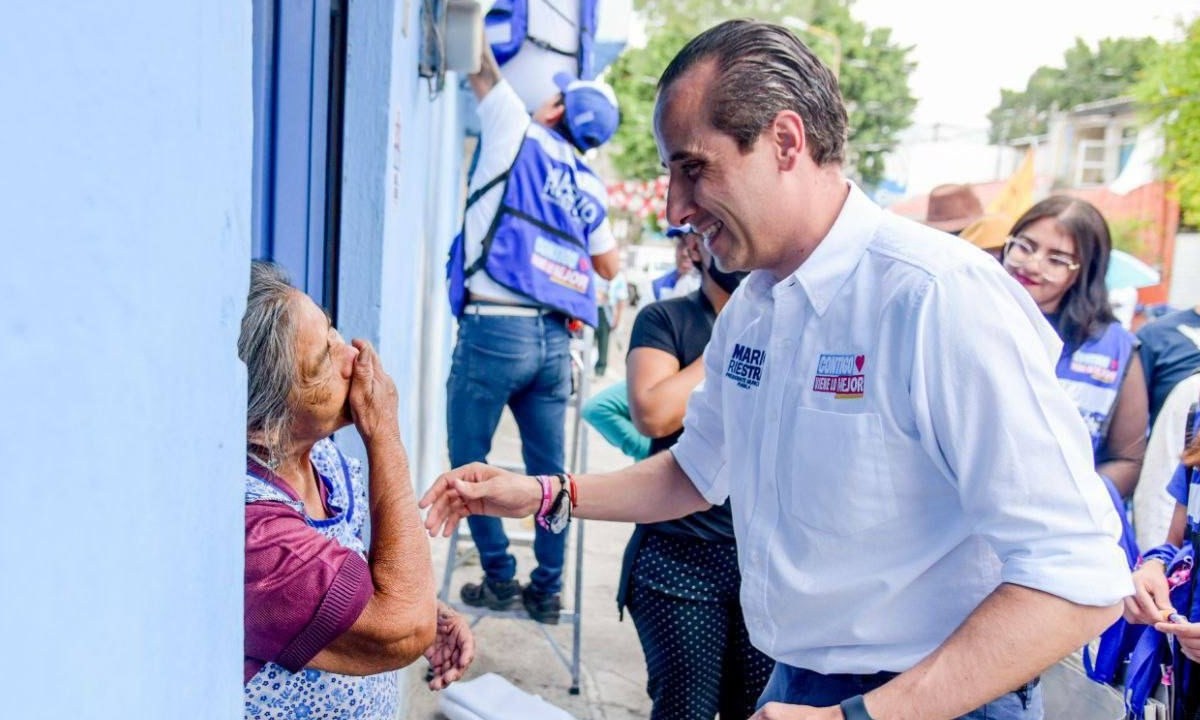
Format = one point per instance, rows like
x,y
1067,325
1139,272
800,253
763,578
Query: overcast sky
x,y
967,50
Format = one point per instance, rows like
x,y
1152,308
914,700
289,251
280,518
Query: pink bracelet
x,y
547,499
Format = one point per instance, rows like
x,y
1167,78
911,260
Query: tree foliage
x,y
1170,92
1086,76
872,71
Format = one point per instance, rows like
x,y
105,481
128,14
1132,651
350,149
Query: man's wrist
x,y
854,708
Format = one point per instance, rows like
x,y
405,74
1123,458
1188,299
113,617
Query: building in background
x,y
1096,151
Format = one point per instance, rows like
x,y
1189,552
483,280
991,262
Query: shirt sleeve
x,y
608,413
502,125
601,240
302,589
652,329
1177,486
700,451
992,414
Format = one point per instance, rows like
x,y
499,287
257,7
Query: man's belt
x,y
500,309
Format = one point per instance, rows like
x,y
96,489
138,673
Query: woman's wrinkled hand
x,y
374,400
452,650
1151,599
478,489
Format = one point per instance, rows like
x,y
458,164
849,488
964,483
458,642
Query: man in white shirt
x,y
535,238
920,529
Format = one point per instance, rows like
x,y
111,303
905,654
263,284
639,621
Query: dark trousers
x,y
798,686
603,333
684,603
523,363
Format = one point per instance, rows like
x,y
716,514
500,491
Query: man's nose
x,y
679,202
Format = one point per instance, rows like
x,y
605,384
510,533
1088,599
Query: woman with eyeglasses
x,y
1058,250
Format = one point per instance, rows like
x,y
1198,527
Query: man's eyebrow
x,y
679,155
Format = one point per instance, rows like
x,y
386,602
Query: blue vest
x,y
512,17
663,283
1092,375
537,244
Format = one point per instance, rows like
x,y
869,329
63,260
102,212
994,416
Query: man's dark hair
x,y
763,69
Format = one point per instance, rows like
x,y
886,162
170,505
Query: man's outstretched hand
x,y
478,489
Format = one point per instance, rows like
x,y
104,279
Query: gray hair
x,y
267,347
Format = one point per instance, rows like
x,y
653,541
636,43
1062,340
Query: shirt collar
x,y
834,259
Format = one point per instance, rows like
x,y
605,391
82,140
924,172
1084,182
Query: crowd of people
x,y
880,468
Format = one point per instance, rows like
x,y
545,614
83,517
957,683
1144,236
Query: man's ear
x,y
551,113
787,131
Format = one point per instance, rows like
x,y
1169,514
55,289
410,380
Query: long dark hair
x,y
1085,310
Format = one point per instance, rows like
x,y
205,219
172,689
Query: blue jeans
x,y
524,363
804,687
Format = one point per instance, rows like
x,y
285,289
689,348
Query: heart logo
x,y
859,360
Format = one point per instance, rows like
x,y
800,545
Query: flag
x,y
1017,194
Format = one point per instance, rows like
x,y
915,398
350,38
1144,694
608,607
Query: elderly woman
x,y
328,623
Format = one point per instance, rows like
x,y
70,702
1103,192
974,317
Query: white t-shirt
x,y
503,122
888,427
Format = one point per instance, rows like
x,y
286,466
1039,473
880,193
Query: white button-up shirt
x,y
888,426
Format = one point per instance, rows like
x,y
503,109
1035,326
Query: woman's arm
x,y
659,389
608,412
399,621
1126,441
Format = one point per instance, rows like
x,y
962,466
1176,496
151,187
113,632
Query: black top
x,y
681,327
1170,352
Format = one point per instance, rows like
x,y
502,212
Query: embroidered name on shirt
x,y
840,375
745,366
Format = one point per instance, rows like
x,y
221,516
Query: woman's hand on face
x,y
478,489
1151,599
452,650
374,400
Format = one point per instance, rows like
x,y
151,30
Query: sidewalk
x,y
613,671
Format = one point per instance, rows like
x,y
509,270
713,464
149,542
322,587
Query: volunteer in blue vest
x,y
684,278
920,530
534,236
1058,251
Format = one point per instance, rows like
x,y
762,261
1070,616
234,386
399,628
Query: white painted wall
x,y
126,139
1185,271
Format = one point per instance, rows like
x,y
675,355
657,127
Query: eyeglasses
x,y
1056,266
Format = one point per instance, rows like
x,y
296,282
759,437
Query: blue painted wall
x,y
401,205
125,200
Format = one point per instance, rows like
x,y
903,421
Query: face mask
x,y
727,281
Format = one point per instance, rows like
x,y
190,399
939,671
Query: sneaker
x,y
491,594
543,607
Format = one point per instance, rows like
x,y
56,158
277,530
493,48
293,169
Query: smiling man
x,y
920,530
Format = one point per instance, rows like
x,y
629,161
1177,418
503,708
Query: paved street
x,y
613,676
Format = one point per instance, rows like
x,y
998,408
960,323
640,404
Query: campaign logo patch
x,y
1098,366
560,263
746,365
840,375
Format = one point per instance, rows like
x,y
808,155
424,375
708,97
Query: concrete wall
x,y
400,208
126,140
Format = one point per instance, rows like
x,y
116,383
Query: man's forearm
x,y
653,490
489,75
1012,636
